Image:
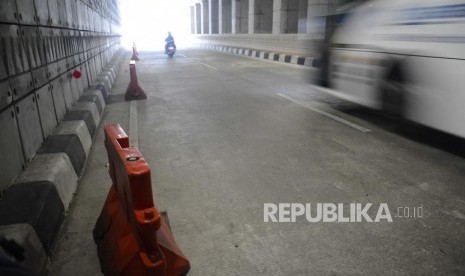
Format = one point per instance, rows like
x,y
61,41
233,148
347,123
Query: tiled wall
x,y
42,42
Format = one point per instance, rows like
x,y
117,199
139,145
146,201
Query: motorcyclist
x,y
169,41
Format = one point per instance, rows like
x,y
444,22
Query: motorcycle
x,y
171,50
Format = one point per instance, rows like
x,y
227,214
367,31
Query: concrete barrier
x,y
93,99
103,90
83,115
37,204
88,107
263,54
40,46
35,258
105,79
33,207
98,94
69,144
108,74
55,168
78,128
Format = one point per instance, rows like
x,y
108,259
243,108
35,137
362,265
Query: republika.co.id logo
x,y
336,212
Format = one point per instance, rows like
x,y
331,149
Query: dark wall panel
x,y
42,42
21,85
26,12
42,16
10,147
46,108
29,126
8,12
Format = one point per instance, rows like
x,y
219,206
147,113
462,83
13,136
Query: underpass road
x,y
222,141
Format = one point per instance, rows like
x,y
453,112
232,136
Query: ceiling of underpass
x,y
147,22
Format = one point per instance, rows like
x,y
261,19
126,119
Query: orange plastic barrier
x,y
131,236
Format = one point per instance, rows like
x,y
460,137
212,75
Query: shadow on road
x,y
412,131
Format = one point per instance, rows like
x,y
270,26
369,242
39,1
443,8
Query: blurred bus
x,y
404,57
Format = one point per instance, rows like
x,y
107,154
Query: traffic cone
x,y
135,90
135,54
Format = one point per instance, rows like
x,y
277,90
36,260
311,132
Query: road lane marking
x,y
188,57
324,113
209,66
133,127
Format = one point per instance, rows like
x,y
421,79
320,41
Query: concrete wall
x,y
287,26
198,18
240,16
294,44
226,21
263,16
206,17
214,16
42,42
192,13
290,10
243,17
302,17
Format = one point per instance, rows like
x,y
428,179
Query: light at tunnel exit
x,y
147,23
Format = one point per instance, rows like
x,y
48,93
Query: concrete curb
x,y
107,77
104,80
37,204
32,209
83,115
69,144
78,128
98,93
55,168
93,99
35,258
262,54
89,107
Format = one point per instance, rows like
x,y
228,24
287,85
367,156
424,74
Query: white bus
x,y
406,57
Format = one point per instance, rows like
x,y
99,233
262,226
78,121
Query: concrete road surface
x,y
225,134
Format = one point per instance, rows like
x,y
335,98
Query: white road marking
x,y
333,92
324,113
209,66
188,57
133,127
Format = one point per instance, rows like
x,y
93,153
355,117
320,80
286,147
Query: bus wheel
x,y
393,91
